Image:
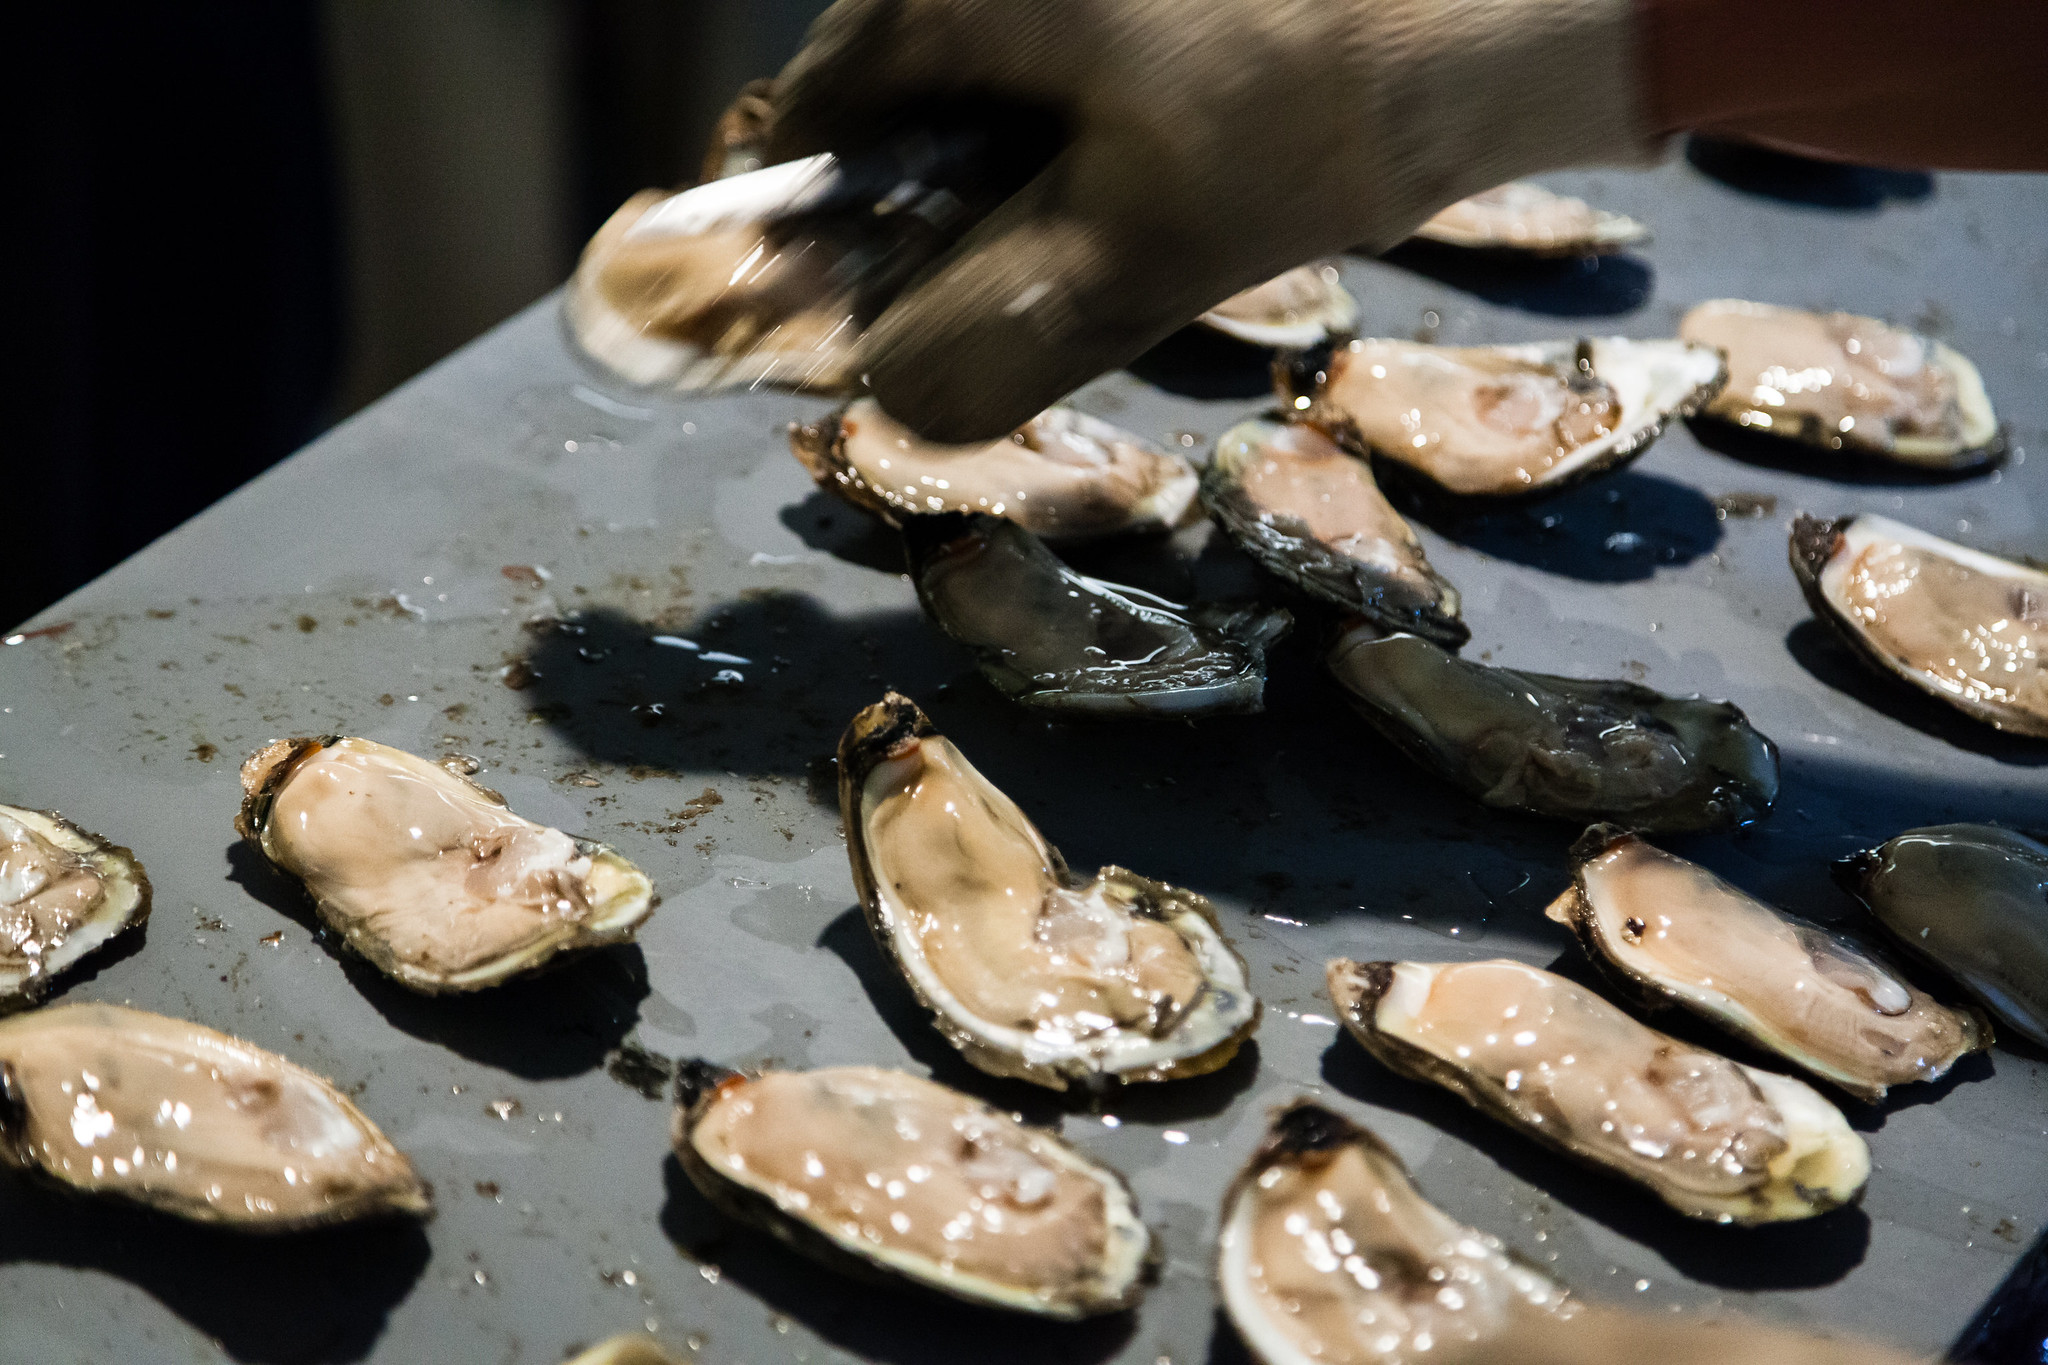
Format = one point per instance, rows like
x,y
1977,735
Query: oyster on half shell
x,y
1529,220
1309,511
1673,932
427,874
64,892
1301,307
1028,969
882,1173
1713,1138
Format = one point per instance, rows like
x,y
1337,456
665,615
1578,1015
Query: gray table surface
x,y
358,588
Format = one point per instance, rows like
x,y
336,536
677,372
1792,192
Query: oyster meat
x,y
427,874
108,1100
1309,511
1029,970
1502,421
64,893
631,1348
1301,307
1529,220
1563,747
1713,1138
874,1170
1063,475
1673,932
1844,382
1963,626
1047,636
1973,901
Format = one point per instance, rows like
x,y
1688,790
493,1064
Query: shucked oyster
x,y
426,874
1064,475
1675,932
1530,220
1564,747
873,1170
108,1100
1047,636
1305,305
1972,900
1962,626
63,894
1310,512
1840,381
1028,969
1503,421
1714,1139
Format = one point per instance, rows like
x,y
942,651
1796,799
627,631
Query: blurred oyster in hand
x,y
1964,627
1307,510
1530,220
1673,932
1713,1138
1064,475
1570,748
873,1171
1028,969
108,1100
1840,381
426,874
1502,421
1047,636
1305,305
64,893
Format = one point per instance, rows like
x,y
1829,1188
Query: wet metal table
x,y
380,583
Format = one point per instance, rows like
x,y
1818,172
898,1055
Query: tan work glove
x,y
1211,145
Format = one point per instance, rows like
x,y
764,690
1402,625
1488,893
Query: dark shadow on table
x,y
1843,466
836,527
1196,362
1620,528
1816,649
1794,179
1566,287
1226,1347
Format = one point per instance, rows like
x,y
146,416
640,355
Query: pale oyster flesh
x,y
1047,636
1526,218
1028,969
1965,627
1563,747
109,1100
630,1348
863,1166
426,874
63,893
1713,1138
1309,511
1301,307
1837,380
1815,997
1063,475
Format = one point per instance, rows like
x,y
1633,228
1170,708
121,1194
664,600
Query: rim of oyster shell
x,y
104,1099
1097,480
1810,994
712,1104
1651,382
986,847
1385,576
1828,557
628,1348
1819,1163
1049,637
31,957
625,895
1525,219
1607,749
1759,403
1295,308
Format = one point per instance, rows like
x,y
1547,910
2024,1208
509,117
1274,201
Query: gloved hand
x,y
1210,145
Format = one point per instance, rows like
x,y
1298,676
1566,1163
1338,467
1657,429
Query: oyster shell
x,y
1301,307
1675,933
739,140
1963,626
630,1348
1973,901
1064,475
1529,220
1047,636
1840,381
1309,512
1502,421
1713,1138
1565,747
1029,970
427,874
64,893
109,1100
875,1170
